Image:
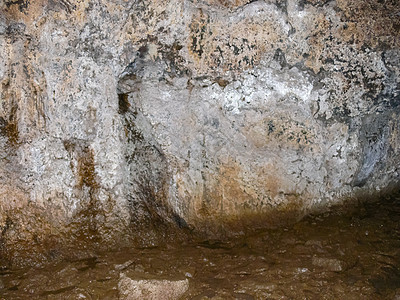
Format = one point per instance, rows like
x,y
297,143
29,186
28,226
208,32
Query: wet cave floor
x,y
328,256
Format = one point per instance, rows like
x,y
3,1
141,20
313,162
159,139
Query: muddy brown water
x,y
353,255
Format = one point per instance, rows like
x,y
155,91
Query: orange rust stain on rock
x,y
23,10
229,205
86,169
221,191
224,194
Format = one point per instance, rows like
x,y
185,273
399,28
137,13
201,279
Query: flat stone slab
x,y
130,289
329,264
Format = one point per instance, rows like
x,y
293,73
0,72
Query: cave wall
x,y
119,112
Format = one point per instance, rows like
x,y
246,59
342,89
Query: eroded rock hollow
x,y
120,116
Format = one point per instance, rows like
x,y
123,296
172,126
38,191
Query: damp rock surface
x,y
326,256
122,119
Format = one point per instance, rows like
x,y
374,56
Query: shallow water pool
x,y
329,256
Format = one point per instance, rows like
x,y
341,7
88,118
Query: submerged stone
x,y
130,289
329,264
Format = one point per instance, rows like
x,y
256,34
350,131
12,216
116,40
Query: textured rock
x,y
151,289
118,114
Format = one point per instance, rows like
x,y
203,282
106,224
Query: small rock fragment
x,y
130,289
188,275
124,265
329,264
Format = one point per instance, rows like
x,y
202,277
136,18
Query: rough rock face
x,y
118,113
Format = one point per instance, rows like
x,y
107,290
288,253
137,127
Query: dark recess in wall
x,y
123,104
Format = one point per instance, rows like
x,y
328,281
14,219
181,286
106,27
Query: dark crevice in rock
x,y
279,56
123,104
148,167
9,127
282,5
67,5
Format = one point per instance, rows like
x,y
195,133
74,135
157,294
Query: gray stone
x,y
130,289
123,266
329,264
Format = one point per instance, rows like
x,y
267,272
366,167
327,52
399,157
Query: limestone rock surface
x,y
119,115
